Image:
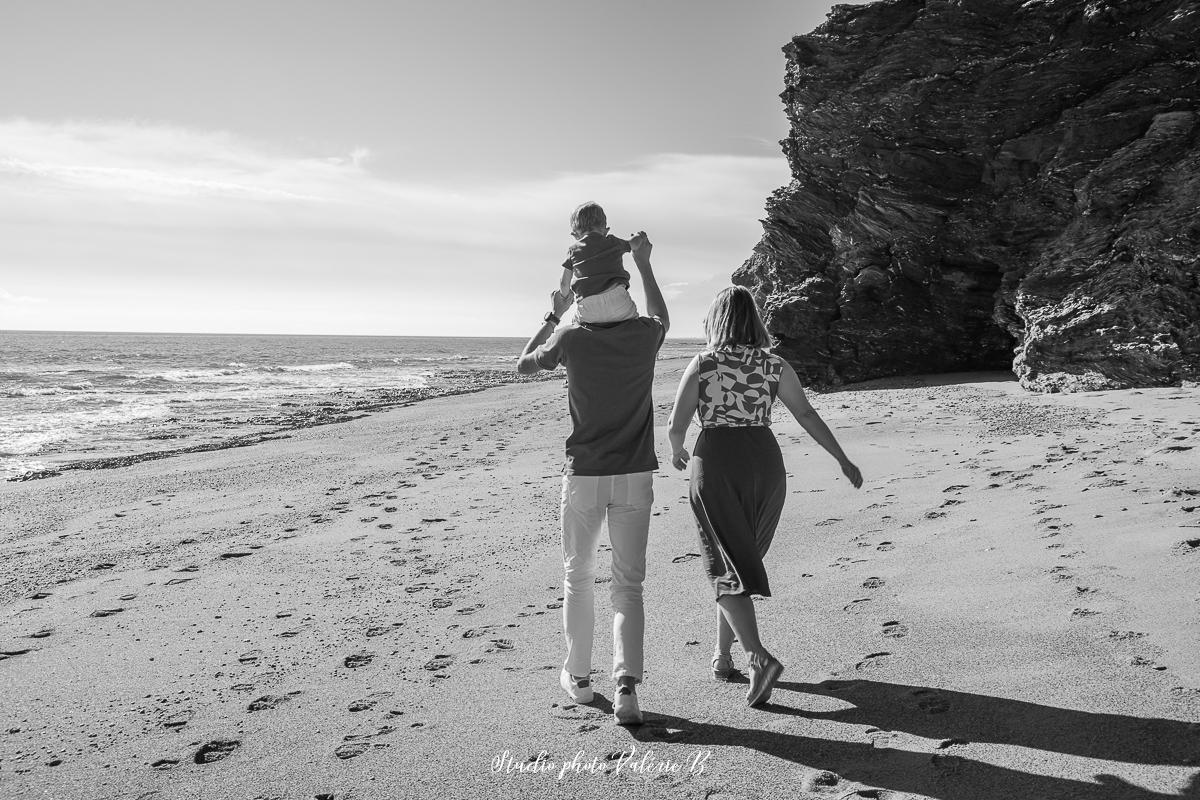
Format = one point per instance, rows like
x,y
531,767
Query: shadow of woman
x,y
945,714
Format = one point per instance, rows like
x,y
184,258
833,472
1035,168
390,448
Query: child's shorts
x,y
612,305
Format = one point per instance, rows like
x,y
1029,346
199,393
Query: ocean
x,y
90,400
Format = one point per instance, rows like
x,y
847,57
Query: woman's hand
x,y
680,459
852,473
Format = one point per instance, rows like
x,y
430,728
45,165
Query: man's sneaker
x,y
625,706
578,689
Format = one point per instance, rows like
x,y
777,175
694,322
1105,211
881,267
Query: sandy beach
x,y
1009,608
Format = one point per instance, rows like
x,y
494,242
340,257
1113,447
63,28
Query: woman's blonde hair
x,y
733,319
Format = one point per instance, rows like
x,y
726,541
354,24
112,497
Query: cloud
x,y
155,204
8,298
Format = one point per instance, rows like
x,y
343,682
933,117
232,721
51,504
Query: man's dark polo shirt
x,y
610,373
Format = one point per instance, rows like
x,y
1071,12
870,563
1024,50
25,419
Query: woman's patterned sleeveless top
x,y
737,387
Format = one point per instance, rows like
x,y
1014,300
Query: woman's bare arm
x,y
792,395
687,399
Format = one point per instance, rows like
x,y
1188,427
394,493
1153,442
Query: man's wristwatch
x,y
551,317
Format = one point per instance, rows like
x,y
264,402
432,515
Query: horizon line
x,y
348,335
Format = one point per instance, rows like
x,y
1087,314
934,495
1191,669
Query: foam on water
x,y
72,396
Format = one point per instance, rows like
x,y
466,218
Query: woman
x,y
738,481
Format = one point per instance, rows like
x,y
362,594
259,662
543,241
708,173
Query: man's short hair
x,y
589,217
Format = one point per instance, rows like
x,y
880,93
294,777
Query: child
x,y
593,270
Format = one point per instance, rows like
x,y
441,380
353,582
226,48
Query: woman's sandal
x,y
722,667
762,680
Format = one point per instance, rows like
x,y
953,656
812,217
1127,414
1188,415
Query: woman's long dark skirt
x,y
738,485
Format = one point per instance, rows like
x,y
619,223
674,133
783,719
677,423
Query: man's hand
x,y
680,459
560,302
640,246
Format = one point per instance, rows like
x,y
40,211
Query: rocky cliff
x,y
987,184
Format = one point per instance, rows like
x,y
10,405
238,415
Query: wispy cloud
x,y
8,298
127,194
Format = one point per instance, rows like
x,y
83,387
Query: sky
x,y
381,167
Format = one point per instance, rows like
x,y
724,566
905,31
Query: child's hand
x,y
640,242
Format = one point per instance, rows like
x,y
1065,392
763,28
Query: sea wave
x,y
35,432
313,367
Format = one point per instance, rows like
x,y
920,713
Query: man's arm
x,y
640,246
527,364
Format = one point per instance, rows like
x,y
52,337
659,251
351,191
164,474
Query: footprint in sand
x,y
178,720
106,612
1186,547
575,712
821,782
42,634
441,602
885,546
439,662
872,661
368,702
251,657
873,583
216,750
357,744
269,701
930,702
500,644
895,630
164,763
357,660
39,595
1061,574
469,609
684,557
475,633
13,653
234,554
351,749
855,606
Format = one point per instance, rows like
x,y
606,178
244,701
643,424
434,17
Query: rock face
x,y
988,184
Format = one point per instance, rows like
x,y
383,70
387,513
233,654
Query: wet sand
x,y
1008,608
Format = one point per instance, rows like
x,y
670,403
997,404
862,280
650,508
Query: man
x,y
608,475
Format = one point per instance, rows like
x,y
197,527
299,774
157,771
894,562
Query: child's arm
x,y
564,286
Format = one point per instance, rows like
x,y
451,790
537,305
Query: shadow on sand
x,y
954,717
